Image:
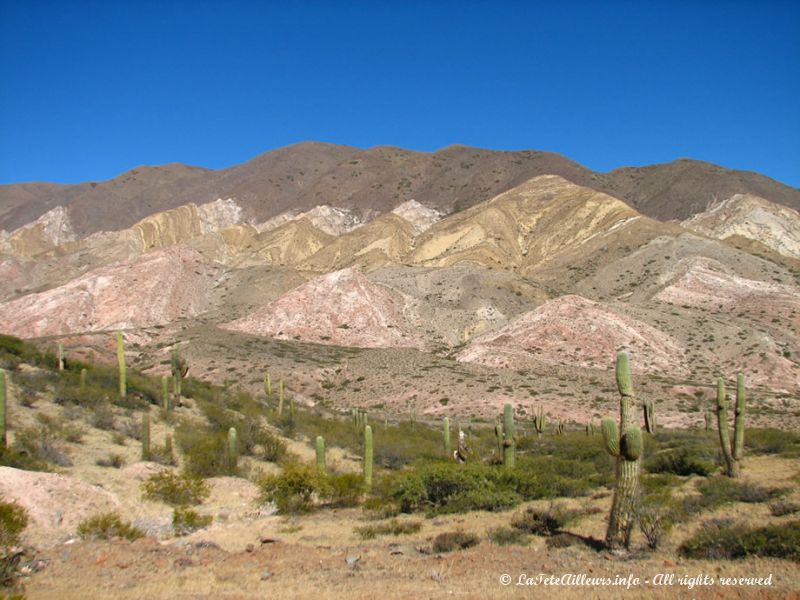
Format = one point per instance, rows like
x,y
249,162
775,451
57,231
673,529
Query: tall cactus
x,y
539,421
368,457
446,436
145,436
3,438
268,386
509,446
649,416
123,382
60,356
625,443
165,392
321,454
731,452
233,450
180,368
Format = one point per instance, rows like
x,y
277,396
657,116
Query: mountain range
x,y
431,283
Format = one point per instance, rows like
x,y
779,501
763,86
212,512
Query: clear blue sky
x,y
91,89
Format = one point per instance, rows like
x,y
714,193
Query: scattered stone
x,y
352,560
249,548
266,575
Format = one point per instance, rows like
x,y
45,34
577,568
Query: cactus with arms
x,y
649,416
624,443
180,368
731,452
539,421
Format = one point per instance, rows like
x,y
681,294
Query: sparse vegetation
x,y
107,526
187,520
454,540
727,539
175,489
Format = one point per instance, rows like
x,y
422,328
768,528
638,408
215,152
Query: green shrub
x,y
186,521
393,527
454,540
342,489
107,526
506,536
718,491
725,539
679,461
13,520
773,441
175,489
294,490
204,452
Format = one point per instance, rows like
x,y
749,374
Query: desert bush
x,y
294,490
773,441
783,507
454,540
186,521
101,416
679,461
655,515
342,489
112,460
506,536
726,539
718,491
204,452
35,448
175,489
107,526
545,522
13,520
393,527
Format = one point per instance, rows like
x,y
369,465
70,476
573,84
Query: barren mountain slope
x,y
530,226
776,227
158,288
571,330
383,241
371,182
343,308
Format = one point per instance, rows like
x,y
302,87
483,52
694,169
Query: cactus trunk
x,y
165,392
625,443
3,438
738,421
233,450
321,453
539,421
368,457
731,452
446,435
123,383
508,436
145,436
649,417
60,356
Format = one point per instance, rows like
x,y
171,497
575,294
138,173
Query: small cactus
x,y
83,380
649,416
368,457
3,438
446,435
508,436
624,443
233,450
539,421
268,386
180,368
123,383
321,453
145,436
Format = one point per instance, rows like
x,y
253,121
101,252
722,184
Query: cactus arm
x,y
608,426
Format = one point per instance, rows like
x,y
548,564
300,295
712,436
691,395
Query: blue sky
x,y
91,89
